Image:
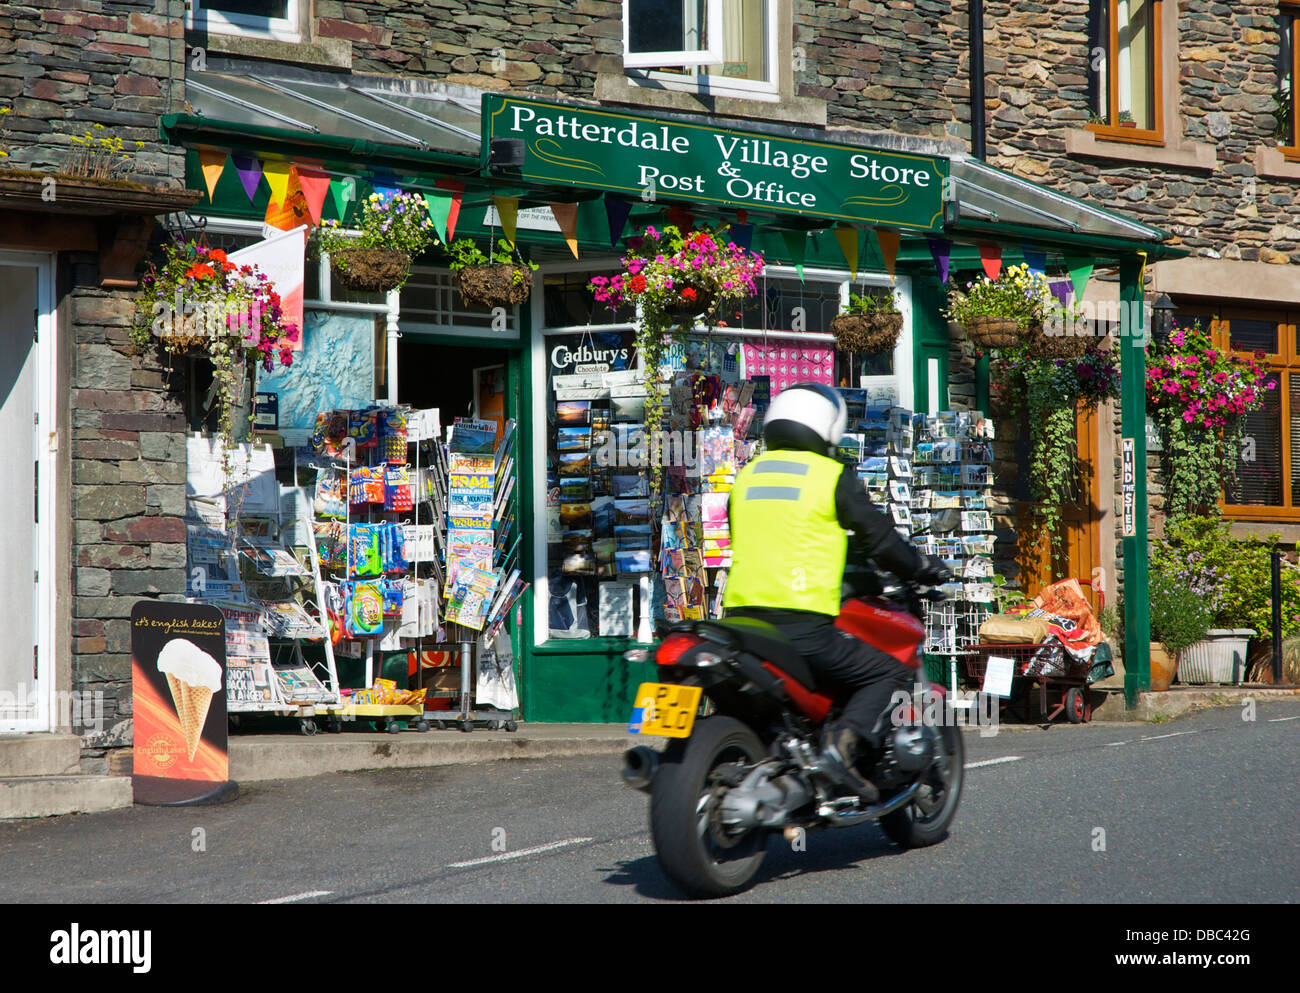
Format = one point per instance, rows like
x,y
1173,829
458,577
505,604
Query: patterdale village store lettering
x,y
638,155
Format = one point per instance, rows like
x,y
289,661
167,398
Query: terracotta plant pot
x,y
369,270
500,285
869,333
1163,667
994,332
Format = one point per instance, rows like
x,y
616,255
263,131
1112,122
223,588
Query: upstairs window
x,y
276,19
1285,98
1124,70
714,45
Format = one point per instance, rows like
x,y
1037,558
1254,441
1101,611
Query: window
x,y
722,46
1285,98
1124,70
276,19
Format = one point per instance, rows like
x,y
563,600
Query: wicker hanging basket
x,y
868,333
1043,345
987,331
685,311
369,270
500,285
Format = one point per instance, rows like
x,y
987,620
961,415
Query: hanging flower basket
x,y
500,285
987,331
687,308
868,333
369,270
1056,346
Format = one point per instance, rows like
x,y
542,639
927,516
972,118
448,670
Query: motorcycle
x,y
751,769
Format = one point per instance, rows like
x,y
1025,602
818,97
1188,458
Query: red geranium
x,y
637,284
689,294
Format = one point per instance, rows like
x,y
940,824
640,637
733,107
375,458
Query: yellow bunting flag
x,y
213,163
277,177
508,211
848,239
888,240
566,216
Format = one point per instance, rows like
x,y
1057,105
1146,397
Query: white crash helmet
x,y
807,416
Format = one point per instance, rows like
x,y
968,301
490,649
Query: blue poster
x,y
335,370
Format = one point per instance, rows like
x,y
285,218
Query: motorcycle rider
x,y
791,511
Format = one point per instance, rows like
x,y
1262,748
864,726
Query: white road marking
x,y
1008,758
297,896
1157,737
1274,720
1112,744
506,856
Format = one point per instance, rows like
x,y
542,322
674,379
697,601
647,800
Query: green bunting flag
x,y
796,244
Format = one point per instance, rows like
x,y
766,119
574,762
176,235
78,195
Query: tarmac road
x,y
1201,809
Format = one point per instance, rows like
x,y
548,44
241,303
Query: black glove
x,y
933,572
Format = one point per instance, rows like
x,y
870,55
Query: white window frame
x,y
199,18
641,68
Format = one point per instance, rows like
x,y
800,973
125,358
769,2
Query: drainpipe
x,y
976,26
394,311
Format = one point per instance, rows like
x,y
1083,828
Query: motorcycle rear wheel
x,y
689,853
925,821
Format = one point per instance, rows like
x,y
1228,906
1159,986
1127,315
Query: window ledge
x,y
617,88
1272,161
1187,155
332,53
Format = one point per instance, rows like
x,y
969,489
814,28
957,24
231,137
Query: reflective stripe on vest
x,y
787,545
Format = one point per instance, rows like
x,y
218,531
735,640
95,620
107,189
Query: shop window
x,y
431,300
1124,70
278,19
1285,98
567,301
725,47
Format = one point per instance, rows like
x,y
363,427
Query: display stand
x,y
469,716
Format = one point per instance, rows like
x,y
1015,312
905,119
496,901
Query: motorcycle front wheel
x,y
925,820
694,852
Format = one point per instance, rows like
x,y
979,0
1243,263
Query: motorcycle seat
x,y
761,639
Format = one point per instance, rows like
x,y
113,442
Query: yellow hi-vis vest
x,y
787,546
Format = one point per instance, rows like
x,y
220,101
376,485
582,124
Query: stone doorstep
x,y
50,796
1184,700
29,755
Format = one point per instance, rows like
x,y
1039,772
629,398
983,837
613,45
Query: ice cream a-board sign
x,y
178,669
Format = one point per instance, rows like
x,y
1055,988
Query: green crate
x,y
938,669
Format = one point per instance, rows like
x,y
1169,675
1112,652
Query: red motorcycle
x,y
750,769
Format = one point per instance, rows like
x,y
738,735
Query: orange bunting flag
x,y
991,260
566,216
213,163
888,239
848,239
315,186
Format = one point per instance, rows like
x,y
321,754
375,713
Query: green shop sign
x,y
629,153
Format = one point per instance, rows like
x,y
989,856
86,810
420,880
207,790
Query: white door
x,y
26,491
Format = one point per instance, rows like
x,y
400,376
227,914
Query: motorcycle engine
x,y
911,749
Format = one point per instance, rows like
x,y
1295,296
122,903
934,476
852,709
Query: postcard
x,y
572,413
634,511
572,439
575,464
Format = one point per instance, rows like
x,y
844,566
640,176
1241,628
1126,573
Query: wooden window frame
x,y
1283,362
1112,130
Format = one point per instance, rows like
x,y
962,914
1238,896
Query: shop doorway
x,y
460,380
27,486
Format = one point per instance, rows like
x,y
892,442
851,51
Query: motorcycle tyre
x,y
905,828
674,823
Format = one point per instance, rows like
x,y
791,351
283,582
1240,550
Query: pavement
x,y
1201,810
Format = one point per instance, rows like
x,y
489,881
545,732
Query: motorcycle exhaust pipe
x,y
639,767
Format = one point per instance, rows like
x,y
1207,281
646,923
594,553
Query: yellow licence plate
x,y
664,709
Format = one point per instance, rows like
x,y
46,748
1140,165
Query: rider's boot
x,y
839,755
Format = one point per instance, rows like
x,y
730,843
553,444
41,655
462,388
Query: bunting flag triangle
x,y
616,212
508,211
384,183
888,239
566,216
742,235
439,205
277,177
991,260
848,239
681,218
1080,267
1036,260
250,173
342,192
455,190
315,185
291,210
213,163
796,244
941,252
1061,290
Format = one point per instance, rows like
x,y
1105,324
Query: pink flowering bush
x,y
1198,396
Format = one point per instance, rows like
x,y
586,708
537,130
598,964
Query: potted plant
x,y
196,301
1003,312
674,278
870,323
1198,397
504,280
1126,119
1180,618
391,231
1049,394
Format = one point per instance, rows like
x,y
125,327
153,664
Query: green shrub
x,y
1179,615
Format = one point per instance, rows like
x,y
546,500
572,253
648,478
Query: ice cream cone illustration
x,y
193,676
